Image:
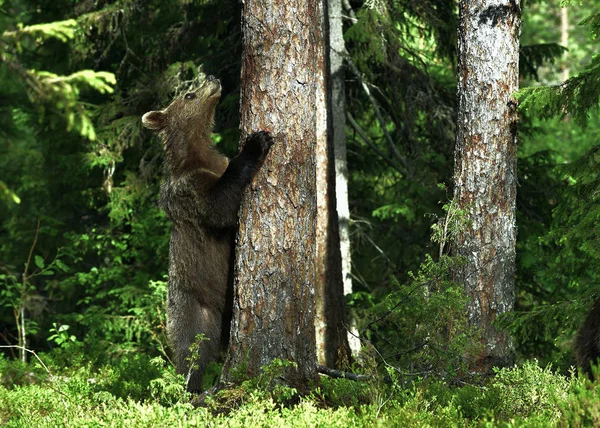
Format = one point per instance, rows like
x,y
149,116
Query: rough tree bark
x,y
333,243
485,165
274,272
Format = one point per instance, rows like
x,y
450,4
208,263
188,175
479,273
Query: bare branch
x,y
348,9
20,314
377,110
338,374
369,143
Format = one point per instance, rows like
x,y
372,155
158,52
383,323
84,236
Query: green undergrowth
x,y
139,391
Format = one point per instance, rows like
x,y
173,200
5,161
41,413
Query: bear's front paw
x,y
258,144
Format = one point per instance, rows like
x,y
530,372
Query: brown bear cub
x,y
201,195
587,341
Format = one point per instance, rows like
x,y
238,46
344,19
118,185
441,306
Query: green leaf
x,y
39,262
62,266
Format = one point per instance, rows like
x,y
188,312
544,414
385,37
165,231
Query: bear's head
x,y
191,112
185,125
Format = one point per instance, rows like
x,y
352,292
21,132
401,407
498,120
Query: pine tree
x,y
274,276
485,166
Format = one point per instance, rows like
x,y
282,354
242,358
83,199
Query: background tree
x,y
333,279
485,166
274,276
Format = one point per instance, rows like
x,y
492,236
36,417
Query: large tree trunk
x,y
485,165
332,336
274,272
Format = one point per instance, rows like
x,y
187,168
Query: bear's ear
x,y
155,120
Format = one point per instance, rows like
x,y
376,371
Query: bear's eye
x,y
190,96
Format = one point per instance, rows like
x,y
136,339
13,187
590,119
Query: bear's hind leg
x,y
186,319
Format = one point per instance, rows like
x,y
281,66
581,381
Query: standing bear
x,y
201,195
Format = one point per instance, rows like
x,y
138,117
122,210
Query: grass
x,y
137,391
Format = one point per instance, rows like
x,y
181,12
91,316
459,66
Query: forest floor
x,y
144,392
